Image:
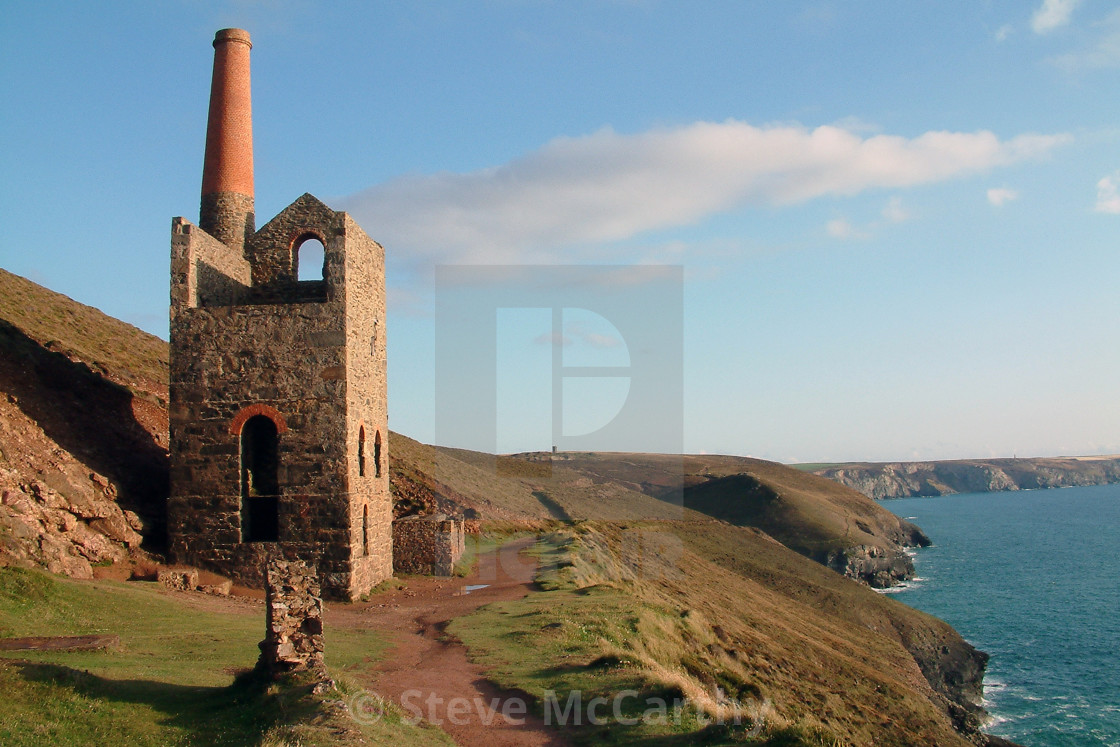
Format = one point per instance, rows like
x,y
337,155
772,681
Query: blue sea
x,y
1032,578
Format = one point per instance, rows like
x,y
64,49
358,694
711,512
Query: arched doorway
x,y
260,487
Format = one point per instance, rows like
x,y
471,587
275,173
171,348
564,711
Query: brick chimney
x,y
227,173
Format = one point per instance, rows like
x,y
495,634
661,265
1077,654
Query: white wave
x,y
905,586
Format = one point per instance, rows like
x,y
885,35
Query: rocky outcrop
x,y
878,567
65,535
912,479
955,670
55,512
835,527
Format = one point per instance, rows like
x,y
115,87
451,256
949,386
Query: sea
x,y
1033,578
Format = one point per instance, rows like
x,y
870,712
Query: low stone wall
x,y
429,545
294,617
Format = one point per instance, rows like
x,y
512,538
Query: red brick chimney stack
x,y
227,174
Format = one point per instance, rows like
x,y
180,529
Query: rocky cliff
x,y
910,479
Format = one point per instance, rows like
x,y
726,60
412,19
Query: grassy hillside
x,y
829,523
172,680
735,623
428,478
114,349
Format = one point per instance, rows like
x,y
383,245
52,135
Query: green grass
x,y
591,631
607,620
178,678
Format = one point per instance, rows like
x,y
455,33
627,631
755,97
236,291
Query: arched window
x,y
377,454
260,487
365,529
309,258
362,451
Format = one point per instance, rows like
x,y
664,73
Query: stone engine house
x,y
278,417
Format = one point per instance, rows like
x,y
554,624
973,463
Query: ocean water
x,y
1032,578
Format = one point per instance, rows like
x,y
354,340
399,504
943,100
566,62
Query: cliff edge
x,y
916,479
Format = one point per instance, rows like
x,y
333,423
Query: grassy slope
x,y
826,654
115,349
504,488
171,682
812,515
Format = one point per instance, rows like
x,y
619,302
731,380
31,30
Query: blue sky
x,y
899,223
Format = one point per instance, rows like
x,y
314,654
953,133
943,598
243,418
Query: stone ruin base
x,y
293,619
429,545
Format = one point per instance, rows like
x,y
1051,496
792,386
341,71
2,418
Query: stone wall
x,y
316,368
430,545
204,271
293,617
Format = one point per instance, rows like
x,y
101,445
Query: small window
x,y
362,451
377,454
365,529
309,258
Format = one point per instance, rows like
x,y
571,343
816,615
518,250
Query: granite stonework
x,y
293,637
278,419
178,579
247,343
429,545
227,216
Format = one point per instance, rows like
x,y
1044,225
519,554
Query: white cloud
x,y
1052,14
894,212
577,331
1104,52
1000,196
842,228
1004,32
608,186
1108,195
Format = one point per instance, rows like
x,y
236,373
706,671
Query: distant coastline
x,y
886,480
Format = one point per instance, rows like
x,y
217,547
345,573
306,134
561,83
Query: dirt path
x,y
433,678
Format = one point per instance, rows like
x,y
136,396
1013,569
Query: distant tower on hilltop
x,y
278,398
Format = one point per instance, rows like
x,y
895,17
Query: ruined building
x,y
278,399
